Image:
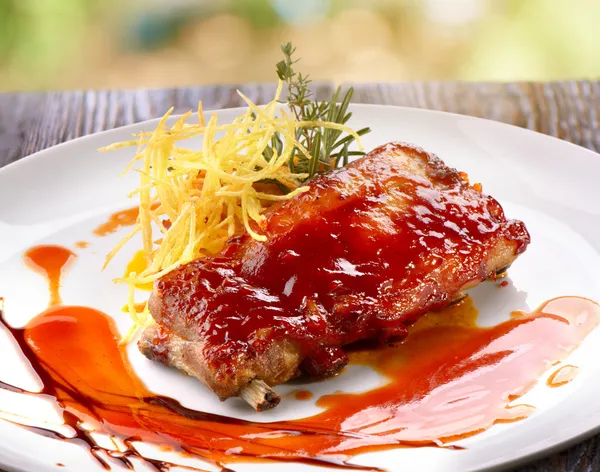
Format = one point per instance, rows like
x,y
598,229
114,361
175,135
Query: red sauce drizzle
x,y
50,261
460,390
303,395
118,220
562,376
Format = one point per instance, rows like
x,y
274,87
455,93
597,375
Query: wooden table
x,y
30,122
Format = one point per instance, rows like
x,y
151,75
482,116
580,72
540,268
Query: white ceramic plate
x,y
58,196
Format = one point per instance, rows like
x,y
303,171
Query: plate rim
x,y
352,106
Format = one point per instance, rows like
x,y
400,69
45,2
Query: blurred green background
x,y
59,44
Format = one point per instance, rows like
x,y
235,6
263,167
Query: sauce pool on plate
x,y
562,376
448,380
118,220
303,395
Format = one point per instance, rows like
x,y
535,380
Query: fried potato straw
x,y
192,201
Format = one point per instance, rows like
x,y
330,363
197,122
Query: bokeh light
x,y
58,44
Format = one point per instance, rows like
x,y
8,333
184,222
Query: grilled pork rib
x,y
365,252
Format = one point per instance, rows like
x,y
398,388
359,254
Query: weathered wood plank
x,y
30,122
568,110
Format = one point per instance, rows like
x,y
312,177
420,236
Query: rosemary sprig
x,y
328,148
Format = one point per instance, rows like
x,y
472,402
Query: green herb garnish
x,y
329,148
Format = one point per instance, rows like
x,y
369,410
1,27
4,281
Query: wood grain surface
x,y
30,122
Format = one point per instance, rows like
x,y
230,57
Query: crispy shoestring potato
x,y
192,201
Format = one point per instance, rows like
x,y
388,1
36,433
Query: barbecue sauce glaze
x,y
449,379
365,252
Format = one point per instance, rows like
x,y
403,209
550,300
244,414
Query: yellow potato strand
x,y
206,194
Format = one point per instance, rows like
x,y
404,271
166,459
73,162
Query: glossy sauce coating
x,y
433,395
367,250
